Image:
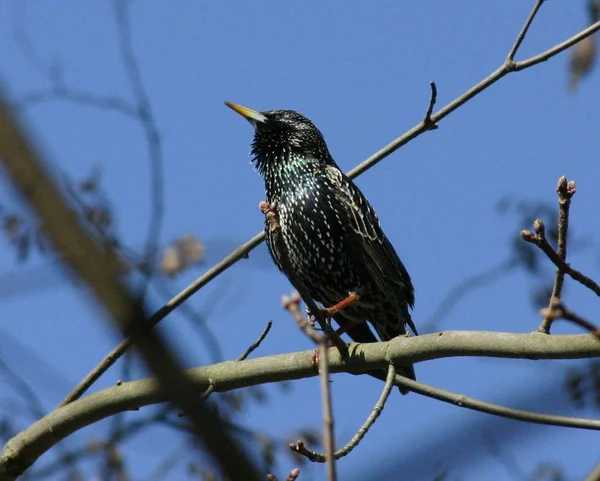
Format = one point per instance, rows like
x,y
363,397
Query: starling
x,y
333,238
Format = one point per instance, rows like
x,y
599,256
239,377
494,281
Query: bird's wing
x,y
380,258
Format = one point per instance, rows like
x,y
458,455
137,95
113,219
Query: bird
x,y
333,238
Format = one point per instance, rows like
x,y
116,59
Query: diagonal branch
x,y
541,241
513,51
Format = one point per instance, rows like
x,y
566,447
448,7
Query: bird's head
x,y
282,137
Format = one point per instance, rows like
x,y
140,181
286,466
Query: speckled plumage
x,y
332,234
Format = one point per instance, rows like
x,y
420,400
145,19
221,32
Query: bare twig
x,y
541,241
243,251
505,69
431,125
561,47
139,110
557,310
256,343
62,92
292,305
241,357
328,436
314,456
513,51
113,356
565,191
463,401
148,123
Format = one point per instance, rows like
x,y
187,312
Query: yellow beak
x,y
252,116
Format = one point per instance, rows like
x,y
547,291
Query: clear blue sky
x,y
361,71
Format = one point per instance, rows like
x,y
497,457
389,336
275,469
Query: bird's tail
x,y
409,372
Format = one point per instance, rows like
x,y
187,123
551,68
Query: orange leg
x,y
332,311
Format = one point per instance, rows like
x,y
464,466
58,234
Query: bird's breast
x,y
316,240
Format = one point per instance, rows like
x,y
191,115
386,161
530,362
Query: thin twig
x,y
500,72
432,100
242,251
561,47
241,357
61,92
556,310
328,423
541,241
463,401
140,110
523,32
565,191
114,355
314,456
256,343
149,126
292,305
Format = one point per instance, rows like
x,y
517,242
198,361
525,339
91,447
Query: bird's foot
x,y
333,310
333,339
266,208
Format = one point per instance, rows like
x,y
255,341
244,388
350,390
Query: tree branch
x,y
314,456
513,51
27,446
539,239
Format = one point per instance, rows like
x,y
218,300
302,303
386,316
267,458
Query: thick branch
x,y
28,445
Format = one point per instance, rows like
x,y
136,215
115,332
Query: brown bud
x,y
562,184
539,227
528,235
171,262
